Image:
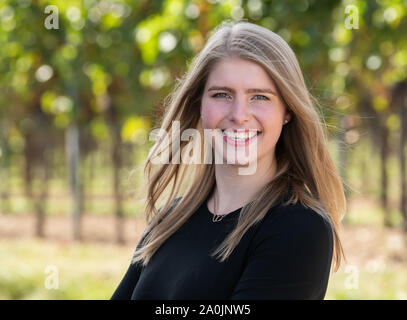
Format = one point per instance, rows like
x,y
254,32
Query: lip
x,y
239,143
240,130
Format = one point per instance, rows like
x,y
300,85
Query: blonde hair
x,y
304,164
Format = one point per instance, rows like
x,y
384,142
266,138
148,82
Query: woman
x,y
268,235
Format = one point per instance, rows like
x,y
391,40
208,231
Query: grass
x,y
389,283
93,271
84,271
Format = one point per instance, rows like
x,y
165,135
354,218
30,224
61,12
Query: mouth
x,y
240,137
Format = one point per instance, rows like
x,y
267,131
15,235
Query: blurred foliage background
x,y
79,83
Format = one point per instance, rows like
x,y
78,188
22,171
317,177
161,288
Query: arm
x,y
129,281
290,257
125,289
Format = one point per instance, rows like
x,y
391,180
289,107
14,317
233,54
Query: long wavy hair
x,y
304,165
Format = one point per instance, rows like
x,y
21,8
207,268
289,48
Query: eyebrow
x,y
251,90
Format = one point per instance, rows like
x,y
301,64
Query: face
x,y
239,94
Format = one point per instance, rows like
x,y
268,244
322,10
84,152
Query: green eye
x,y
262,97
216,95
225,95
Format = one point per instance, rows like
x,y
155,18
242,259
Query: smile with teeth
x,y
237,138
240,136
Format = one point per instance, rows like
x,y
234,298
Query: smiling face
x,y
239,94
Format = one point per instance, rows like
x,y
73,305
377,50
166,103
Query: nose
x,y
239,112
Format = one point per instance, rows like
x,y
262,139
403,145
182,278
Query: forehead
x,y
236,72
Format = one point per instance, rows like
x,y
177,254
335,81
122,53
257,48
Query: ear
x,y
287,116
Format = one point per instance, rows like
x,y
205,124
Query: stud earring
x,y
285,121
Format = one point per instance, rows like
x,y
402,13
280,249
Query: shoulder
x,y
297,224
159,217
296,216
172,205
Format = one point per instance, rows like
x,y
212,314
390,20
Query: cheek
x,y
211,115
274,134
272,126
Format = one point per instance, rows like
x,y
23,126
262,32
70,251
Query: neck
x,y
233,191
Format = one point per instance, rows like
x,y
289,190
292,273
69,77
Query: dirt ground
x,y
99,229
365,246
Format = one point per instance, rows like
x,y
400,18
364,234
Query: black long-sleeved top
x,y
286,256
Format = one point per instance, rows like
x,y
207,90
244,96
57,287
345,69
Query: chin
x,y
239,160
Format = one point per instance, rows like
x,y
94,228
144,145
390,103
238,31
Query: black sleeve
x,y
129,281
290,258
125,289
